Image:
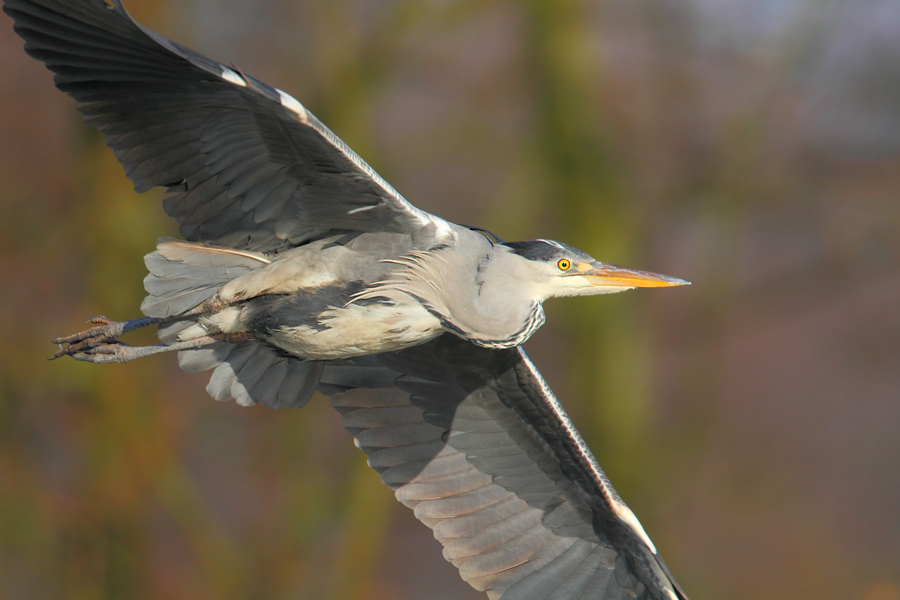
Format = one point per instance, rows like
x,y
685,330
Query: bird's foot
x,y
99,342
115,351
105,352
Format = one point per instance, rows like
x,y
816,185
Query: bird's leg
x,y
107,329
105,332
116,351
100,344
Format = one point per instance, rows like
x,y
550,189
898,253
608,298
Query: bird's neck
x,y
503,307
478,290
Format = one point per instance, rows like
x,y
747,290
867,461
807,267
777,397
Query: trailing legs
x,y
100,344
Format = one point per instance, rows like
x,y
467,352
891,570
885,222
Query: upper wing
x,y
246,164
474,441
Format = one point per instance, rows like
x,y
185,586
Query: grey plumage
x,y
251,372
303,270
461,434
181,275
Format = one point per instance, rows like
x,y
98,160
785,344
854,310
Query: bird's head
x,y
553,269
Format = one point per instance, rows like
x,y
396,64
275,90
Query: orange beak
x,y
612,276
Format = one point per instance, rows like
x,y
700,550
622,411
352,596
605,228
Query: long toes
x,y
114,351
95,351
96,332
77,346
112,347
93,345
106,330
66,350
96,358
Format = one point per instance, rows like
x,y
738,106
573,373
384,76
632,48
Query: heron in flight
x,y
301,270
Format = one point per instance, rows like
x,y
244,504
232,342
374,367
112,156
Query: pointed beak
x,y
606,275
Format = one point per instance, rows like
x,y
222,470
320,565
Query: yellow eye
x,y
564,264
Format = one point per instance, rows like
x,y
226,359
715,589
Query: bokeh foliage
x,y
751,420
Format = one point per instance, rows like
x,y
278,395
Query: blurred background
x,y
752,420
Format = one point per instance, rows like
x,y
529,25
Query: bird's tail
x,y
182,275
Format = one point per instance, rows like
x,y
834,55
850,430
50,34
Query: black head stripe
x,y
537,249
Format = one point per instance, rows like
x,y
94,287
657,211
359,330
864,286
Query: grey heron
x,y
303,270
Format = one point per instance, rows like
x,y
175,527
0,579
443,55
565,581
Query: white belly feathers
x,y
355,329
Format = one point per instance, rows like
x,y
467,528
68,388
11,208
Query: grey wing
x,y
247,166
475,443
